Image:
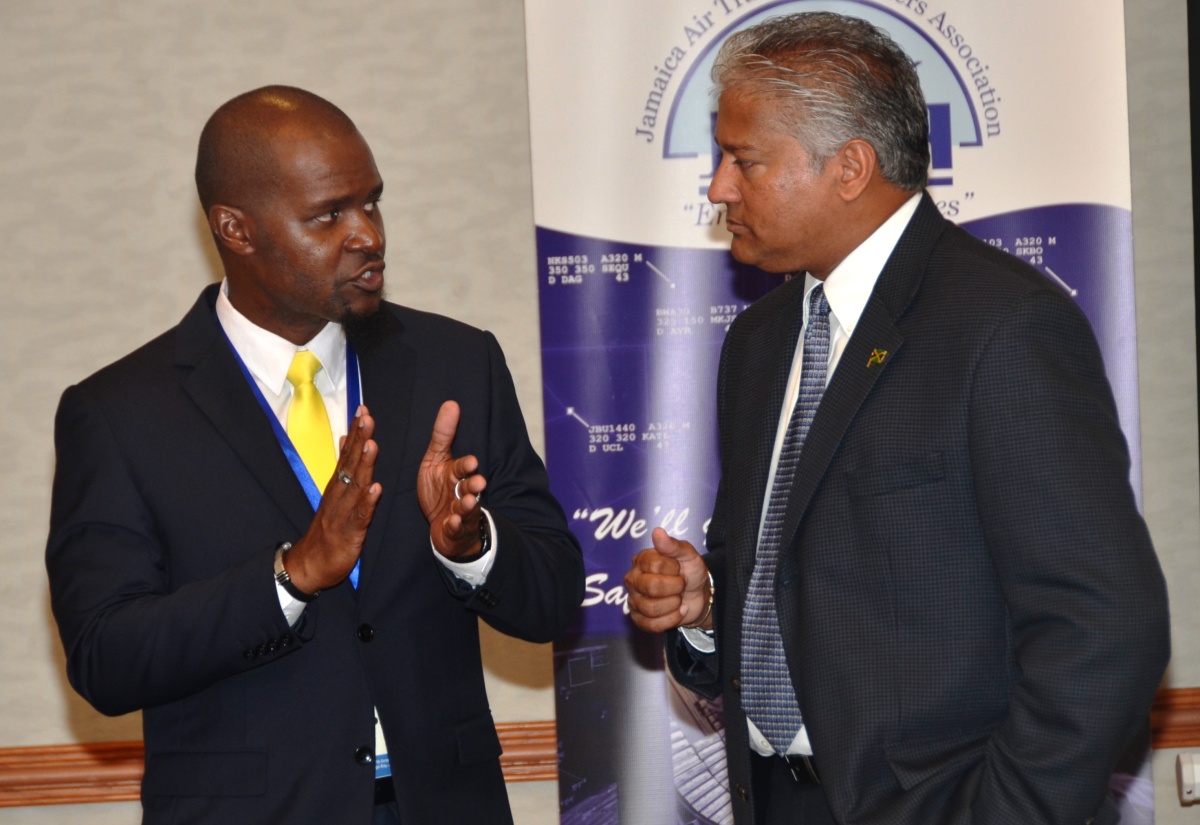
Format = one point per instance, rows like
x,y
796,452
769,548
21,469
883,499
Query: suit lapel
x,y
859,368
388,380
218,388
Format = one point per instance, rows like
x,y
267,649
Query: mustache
x,y
371,257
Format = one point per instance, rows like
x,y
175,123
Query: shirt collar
x,y
269,356
851,282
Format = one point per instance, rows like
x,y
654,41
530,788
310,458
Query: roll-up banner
x,y
1030,151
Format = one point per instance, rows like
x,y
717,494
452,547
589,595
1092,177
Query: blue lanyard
x,y
353,399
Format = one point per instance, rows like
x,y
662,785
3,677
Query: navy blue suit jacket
x,y
170,495
974,616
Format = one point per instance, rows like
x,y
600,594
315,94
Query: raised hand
x,y
448,490
328,551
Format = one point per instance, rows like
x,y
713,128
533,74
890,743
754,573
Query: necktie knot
x,y
818,305
304,368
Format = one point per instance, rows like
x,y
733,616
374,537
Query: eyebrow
x,y
341,200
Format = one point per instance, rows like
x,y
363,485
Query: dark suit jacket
x,y
974,617
170,496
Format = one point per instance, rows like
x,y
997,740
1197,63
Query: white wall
x,y
102,246
1156,39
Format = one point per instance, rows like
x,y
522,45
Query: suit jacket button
x,y
736,684
365,633
364,756
741,791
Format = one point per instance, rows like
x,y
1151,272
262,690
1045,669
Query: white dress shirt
x,y
847,289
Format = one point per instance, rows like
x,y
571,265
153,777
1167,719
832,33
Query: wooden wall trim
x,y
1175,718
70,774
112,771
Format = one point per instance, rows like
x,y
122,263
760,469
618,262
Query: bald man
x,y
274,526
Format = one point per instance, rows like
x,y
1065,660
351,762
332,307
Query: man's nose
x,y
368,233
721,188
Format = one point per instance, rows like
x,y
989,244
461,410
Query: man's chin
x,y
743,252
361,323
753,257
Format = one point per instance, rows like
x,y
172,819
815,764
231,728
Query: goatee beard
x,y
365,330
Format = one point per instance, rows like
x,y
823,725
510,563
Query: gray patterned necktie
x,y
768,694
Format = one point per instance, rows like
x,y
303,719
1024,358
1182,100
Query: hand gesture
x,y
448,490
668,585
328,551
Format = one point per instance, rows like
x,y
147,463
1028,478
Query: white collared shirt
x,y
268,357
847,288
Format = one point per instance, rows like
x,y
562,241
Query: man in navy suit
x,y
929,597
303,651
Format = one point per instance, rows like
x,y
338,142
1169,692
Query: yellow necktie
x,y
307,421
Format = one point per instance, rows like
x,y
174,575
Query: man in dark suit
x,y
929,597
278,653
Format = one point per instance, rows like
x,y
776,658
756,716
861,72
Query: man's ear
x,y
857,166
230,227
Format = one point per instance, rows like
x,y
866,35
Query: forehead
x,y
743,115
322,163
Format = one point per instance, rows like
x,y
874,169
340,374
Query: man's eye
x,y
370,205
329,217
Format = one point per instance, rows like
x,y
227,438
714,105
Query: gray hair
x,y
840,78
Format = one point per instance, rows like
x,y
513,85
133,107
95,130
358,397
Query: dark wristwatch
x,y
485,534
284,580
485,542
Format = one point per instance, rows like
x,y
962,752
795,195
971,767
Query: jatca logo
x,y
964,106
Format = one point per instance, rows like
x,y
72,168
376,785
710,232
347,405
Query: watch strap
x,y
284,580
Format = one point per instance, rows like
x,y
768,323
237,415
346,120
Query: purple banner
x,y
631,337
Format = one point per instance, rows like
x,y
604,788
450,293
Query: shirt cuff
x,y
698,639
758,743
293,608
475,572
